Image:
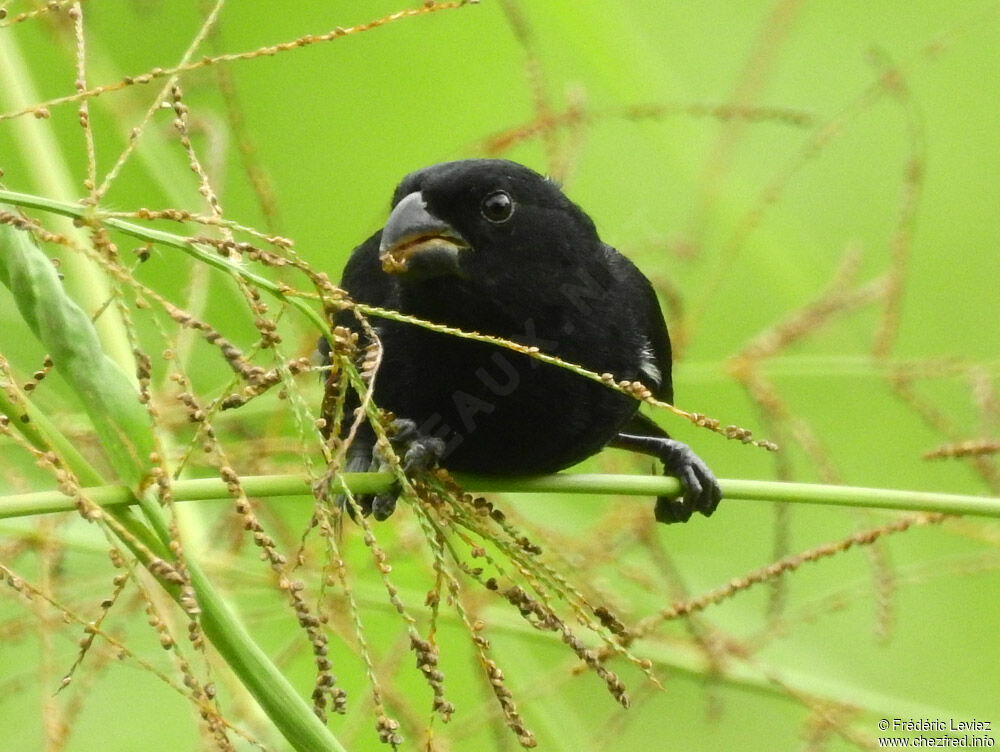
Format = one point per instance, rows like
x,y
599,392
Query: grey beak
x,y
415,242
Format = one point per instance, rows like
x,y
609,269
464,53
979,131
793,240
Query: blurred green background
x,y
857,133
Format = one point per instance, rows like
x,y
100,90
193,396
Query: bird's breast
x,y
498,411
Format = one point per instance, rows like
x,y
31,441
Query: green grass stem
x,y
270,486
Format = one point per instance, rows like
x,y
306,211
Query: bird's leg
x,y
417,454
359,460
700,489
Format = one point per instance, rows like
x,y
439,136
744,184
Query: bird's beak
x,y
415,242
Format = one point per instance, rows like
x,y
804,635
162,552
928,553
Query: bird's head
x,y
481,218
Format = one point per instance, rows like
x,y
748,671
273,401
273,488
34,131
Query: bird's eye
x,y
497,207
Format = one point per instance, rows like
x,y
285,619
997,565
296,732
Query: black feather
x,y
540,276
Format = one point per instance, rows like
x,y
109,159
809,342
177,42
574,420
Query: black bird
x,y
493,247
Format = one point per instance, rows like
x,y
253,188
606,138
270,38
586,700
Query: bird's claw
x,y
700,489
418,454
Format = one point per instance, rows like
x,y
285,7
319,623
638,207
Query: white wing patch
x,y
647,362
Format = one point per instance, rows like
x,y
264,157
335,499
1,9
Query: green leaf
x,y
67,332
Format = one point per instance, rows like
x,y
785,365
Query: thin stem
x,y
48,169
205,489
151,235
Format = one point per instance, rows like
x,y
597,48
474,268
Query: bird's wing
x,y
654,346
642,425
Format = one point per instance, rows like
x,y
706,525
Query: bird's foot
x,y
700,489
417,453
